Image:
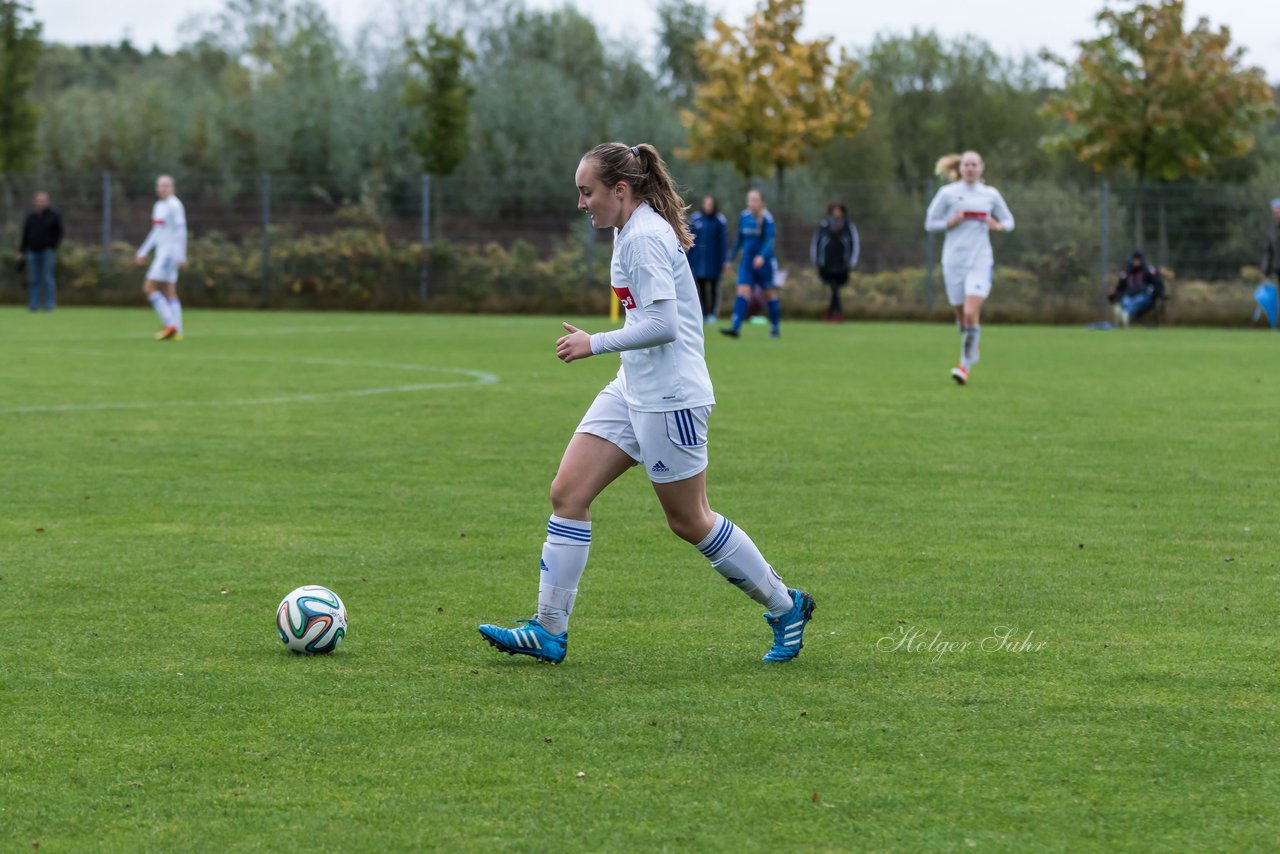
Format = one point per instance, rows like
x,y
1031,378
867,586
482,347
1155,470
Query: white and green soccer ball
x,y
312,619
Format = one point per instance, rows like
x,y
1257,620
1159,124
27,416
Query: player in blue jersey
x,y
968,210
653,413
755,242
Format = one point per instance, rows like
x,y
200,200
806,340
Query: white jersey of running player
x,y
168,235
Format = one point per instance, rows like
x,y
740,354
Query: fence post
x,y
266,235
106,221
929,188
425,237
1104,274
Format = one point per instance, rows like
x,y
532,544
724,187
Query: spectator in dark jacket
x,y
834,251
41,234
1271,258
1137,290
709,255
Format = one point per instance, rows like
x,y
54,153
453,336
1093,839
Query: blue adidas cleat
x,y
788,628
531,639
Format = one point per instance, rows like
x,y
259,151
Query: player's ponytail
x,y
644,170
948,167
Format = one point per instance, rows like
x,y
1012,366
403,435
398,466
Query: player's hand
x,y
757,262
575,345
994,224
139,260
182,265
956,219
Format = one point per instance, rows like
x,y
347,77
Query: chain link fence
x,y
302,241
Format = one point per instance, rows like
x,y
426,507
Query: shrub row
x,y
361,268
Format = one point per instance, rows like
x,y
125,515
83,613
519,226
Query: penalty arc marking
x,y
467,379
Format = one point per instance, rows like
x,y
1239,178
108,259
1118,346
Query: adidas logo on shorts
x,y
659,468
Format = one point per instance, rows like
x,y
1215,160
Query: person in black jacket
x,y
834,252
1137,290
41,234
709,255
1271,257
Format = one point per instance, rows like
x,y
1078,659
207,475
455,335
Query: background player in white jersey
x,y
653,413
168,236
967,210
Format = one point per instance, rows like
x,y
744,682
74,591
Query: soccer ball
x,y
312,619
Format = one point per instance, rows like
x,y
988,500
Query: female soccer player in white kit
x,y
967,210
168,236
653,413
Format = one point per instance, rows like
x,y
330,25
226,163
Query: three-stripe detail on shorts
x,y
686,427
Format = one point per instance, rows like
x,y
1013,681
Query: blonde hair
x,y
948,165
645,172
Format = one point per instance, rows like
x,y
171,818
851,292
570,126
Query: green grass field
x,y
1110,499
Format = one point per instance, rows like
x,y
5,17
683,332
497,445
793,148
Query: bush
x,y
361,267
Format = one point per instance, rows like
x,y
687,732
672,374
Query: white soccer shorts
x,y
672,446
966,282
163,269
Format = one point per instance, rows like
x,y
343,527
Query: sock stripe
x,y
580,535
721,537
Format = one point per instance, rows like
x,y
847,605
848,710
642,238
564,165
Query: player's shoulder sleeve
x,y
649,265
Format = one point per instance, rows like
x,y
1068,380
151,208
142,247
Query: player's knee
x,y
691,529
148,287
565,501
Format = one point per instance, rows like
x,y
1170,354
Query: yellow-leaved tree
x,y
767,100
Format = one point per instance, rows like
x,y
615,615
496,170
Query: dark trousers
x,y
835,283
40,286
709,295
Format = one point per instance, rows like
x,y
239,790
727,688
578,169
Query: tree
x,y
769,101
1152,99
20,48
930,96
441,96
682,24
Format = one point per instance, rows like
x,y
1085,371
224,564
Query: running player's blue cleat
x,y
788,629
530,639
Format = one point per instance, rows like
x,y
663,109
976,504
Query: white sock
x,y
733,554
564,557
969,346
161,305
175,313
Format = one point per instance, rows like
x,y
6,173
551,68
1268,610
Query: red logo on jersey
x,y
624,296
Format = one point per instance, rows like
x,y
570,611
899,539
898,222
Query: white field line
x,y
474,378
228,333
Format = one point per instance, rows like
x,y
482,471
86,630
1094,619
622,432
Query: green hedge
x,y
361,268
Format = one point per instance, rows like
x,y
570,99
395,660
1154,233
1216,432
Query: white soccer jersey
x,y
968,245
649,264
168,234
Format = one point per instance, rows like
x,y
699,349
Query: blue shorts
x,y
761,278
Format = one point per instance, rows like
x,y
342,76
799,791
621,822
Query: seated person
x,y
1137,291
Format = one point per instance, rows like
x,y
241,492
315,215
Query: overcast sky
x,y
1010,26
